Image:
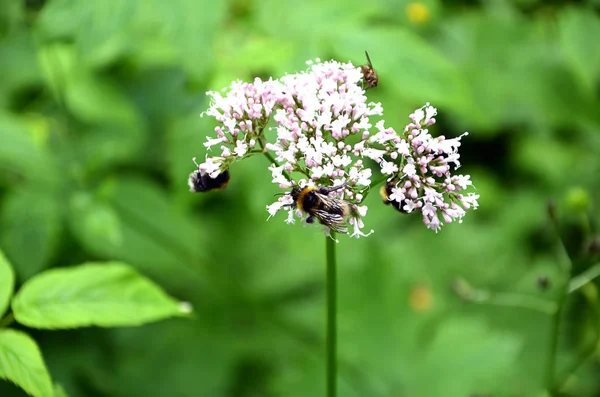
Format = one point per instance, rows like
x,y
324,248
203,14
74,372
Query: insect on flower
x,y
202,182
369,73
316,202
386,191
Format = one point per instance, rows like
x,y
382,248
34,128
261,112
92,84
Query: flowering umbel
x,y
420,166
322,143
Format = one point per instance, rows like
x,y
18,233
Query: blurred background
x,y
99,121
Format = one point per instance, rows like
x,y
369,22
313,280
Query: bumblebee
x,y
386,192
369,73
331,212
202,182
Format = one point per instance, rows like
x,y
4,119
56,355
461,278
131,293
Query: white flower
x,y
211,166
277,173
463,181
388,167
241,148
212,142
409,169
374,154
425,181
430,112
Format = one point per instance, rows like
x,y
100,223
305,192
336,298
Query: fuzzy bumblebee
x,y
330,211
386,192
202,182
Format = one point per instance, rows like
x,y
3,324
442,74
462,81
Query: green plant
x,y
102,294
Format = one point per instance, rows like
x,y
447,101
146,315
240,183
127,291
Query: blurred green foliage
x,y
99,106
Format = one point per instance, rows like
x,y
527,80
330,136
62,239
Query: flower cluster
x,y
325,108
242,113
420,165
322,138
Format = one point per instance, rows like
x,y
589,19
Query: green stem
x,y
583,357
331,340
554,339
520,301
7,320
272,160
374,184
584,278
565,265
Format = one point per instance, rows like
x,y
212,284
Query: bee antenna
x,y
368,59
280,194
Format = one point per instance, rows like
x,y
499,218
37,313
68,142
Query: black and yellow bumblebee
x,y
386,192
330,211
202,182
369,73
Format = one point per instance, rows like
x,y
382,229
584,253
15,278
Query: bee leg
x,y
329,189
310,219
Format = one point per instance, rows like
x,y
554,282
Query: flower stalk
x,y
324,147
331,340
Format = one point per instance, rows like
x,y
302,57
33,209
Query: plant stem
x,y
554,339
565,265
584,278
272,160
583,357
331,340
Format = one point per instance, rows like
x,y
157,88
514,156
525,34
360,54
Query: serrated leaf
x,y
30,228
108,294
7,283
21,362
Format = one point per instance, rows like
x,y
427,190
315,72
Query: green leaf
x,y
96,100
285,19
104,294
95,223
98,28
18,64
21,362
21,149
59,391
190,29
579,32
144,229
7,283
30,229
109,145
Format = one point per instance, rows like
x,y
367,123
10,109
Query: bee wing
x,y
335,222
369,59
